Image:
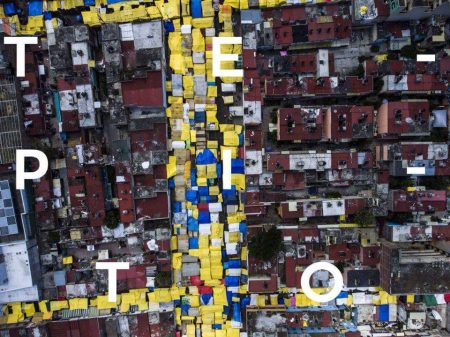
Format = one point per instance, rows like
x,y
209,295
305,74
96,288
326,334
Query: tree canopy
x,y
364,217
112,219
266,244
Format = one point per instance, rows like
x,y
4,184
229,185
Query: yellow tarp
x,y
103,303
58,305
198,42
78,303
171,167
177,63
67,260
174,42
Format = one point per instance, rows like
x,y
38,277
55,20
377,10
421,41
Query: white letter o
x,y
338,282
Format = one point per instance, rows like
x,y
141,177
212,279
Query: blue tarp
x,y
47,16
229,198
9,8
192,196
57,104
192,224
89,2
206,298
342,294
208,198
243,228
219,170
59,277
35,8
244,279
205,157
236,312
168,26
232,281
176,206
230,192
237,166
217,326
193,243
280,299
196,8
193,177
185,309
203,191
171,183
203,217
235,263
229,296
246,301
115,1
200,116
383,312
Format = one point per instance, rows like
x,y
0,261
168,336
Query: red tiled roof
x,y
144,91
354,205
382,8
285,213
293,14
135,276
38,127
65,85
341,120
254,88
417,201
249,58
291,274
303,63
350,159
148,140
253,137
277,161
404,110
289,180
444,65
428,82
154,208
298,124
338,28
257,267
94,195
396,27
263,285
370,255
283,35
70,121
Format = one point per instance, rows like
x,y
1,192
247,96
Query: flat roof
x,y
17,267
8,220
10,137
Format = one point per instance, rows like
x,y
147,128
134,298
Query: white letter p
x,y
21,175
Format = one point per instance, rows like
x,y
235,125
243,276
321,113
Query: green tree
x,y
359,71
163,279
378,84
374,48
409,51
364,217
266,244
54,237
400,183
112,219
272,136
